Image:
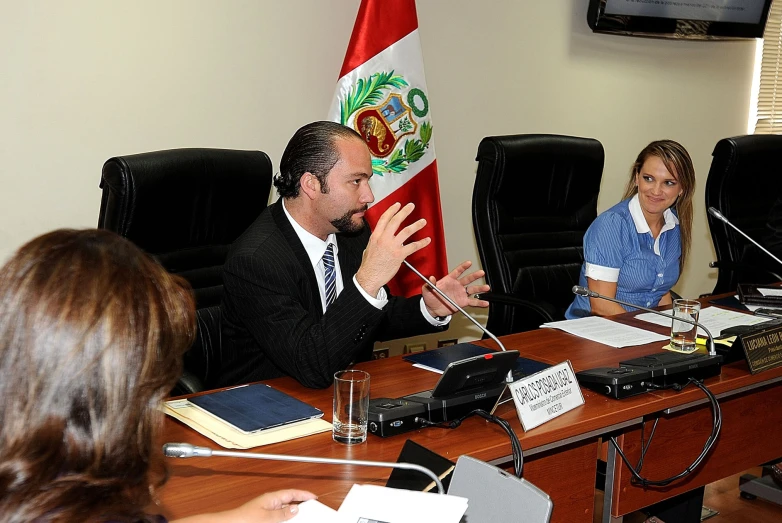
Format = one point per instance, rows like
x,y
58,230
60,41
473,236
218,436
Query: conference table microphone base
x,y
616,382
652,372
670,368
392,416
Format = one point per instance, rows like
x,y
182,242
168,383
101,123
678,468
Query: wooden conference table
x,y
560,456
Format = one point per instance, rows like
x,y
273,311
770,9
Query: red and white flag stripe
x,y
382,94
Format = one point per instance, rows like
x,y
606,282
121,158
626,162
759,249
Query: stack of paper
x,y
605,331
370,503
713,318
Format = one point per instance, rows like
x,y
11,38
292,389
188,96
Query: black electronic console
x,y
389,417
669,368
649,372
618,383
445,408
468,384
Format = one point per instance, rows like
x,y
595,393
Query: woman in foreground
x,y
92,333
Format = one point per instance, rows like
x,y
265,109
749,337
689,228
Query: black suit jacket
x,y
272,317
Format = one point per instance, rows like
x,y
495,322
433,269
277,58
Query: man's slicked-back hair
x,y
312,149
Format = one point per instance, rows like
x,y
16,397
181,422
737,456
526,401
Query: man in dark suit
x,y
304,285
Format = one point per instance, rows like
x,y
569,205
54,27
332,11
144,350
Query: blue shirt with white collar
x,y
619,247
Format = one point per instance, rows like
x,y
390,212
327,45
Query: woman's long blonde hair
x,y
677,161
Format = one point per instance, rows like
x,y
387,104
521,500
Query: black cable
x,y
518,453
715,431
644,448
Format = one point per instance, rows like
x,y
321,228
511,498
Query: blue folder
x,y
251,408
440,358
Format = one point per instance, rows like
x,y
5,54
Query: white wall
x,y
85,80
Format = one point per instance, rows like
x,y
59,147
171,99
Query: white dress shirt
x,y
315,248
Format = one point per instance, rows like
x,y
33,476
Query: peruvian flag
x,y
382,94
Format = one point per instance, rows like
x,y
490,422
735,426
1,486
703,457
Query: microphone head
x,y
717,214
581,291
185,450
177,450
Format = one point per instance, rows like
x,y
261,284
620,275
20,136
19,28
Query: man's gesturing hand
x,y
387,249
457,286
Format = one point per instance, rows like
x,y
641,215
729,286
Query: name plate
x,y
763,349
546,394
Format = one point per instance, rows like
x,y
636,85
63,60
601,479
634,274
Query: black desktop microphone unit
x,y
509,378
657,371
651,372
392,416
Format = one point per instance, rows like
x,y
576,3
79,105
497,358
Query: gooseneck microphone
x,y
186,450
509,378
717,214
583,291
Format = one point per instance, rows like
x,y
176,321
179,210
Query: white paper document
x,y
713,318
313,511
373,504
605,331
765,291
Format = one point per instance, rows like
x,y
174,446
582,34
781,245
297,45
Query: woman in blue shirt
x,y
635,250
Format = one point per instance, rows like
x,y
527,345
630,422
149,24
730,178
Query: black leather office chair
x,y
745,185
202,361
534,198
185,207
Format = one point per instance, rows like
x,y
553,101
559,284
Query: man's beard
x,y
345,222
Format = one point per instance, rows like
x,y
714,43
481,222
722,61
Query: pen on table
x,y
441,477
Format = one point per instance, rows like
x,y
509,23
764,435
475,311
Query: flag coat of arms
x,y
382,94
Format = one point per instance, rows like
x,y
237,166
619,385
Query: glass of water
x,y
683,334
351,406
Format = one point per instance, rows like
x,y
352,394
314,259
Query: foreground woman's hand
x,y
271,507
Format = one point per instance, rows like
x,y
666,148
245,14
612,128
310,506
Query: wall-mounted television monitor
x,y
683,19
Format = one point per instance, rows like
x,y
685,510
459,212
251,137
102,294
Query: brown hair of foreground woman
x,y
92,333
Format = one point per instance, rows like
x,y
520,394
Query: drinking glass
x,y
683,334
351,406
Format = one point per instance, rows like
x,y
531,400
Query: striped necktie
x,y
331,275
